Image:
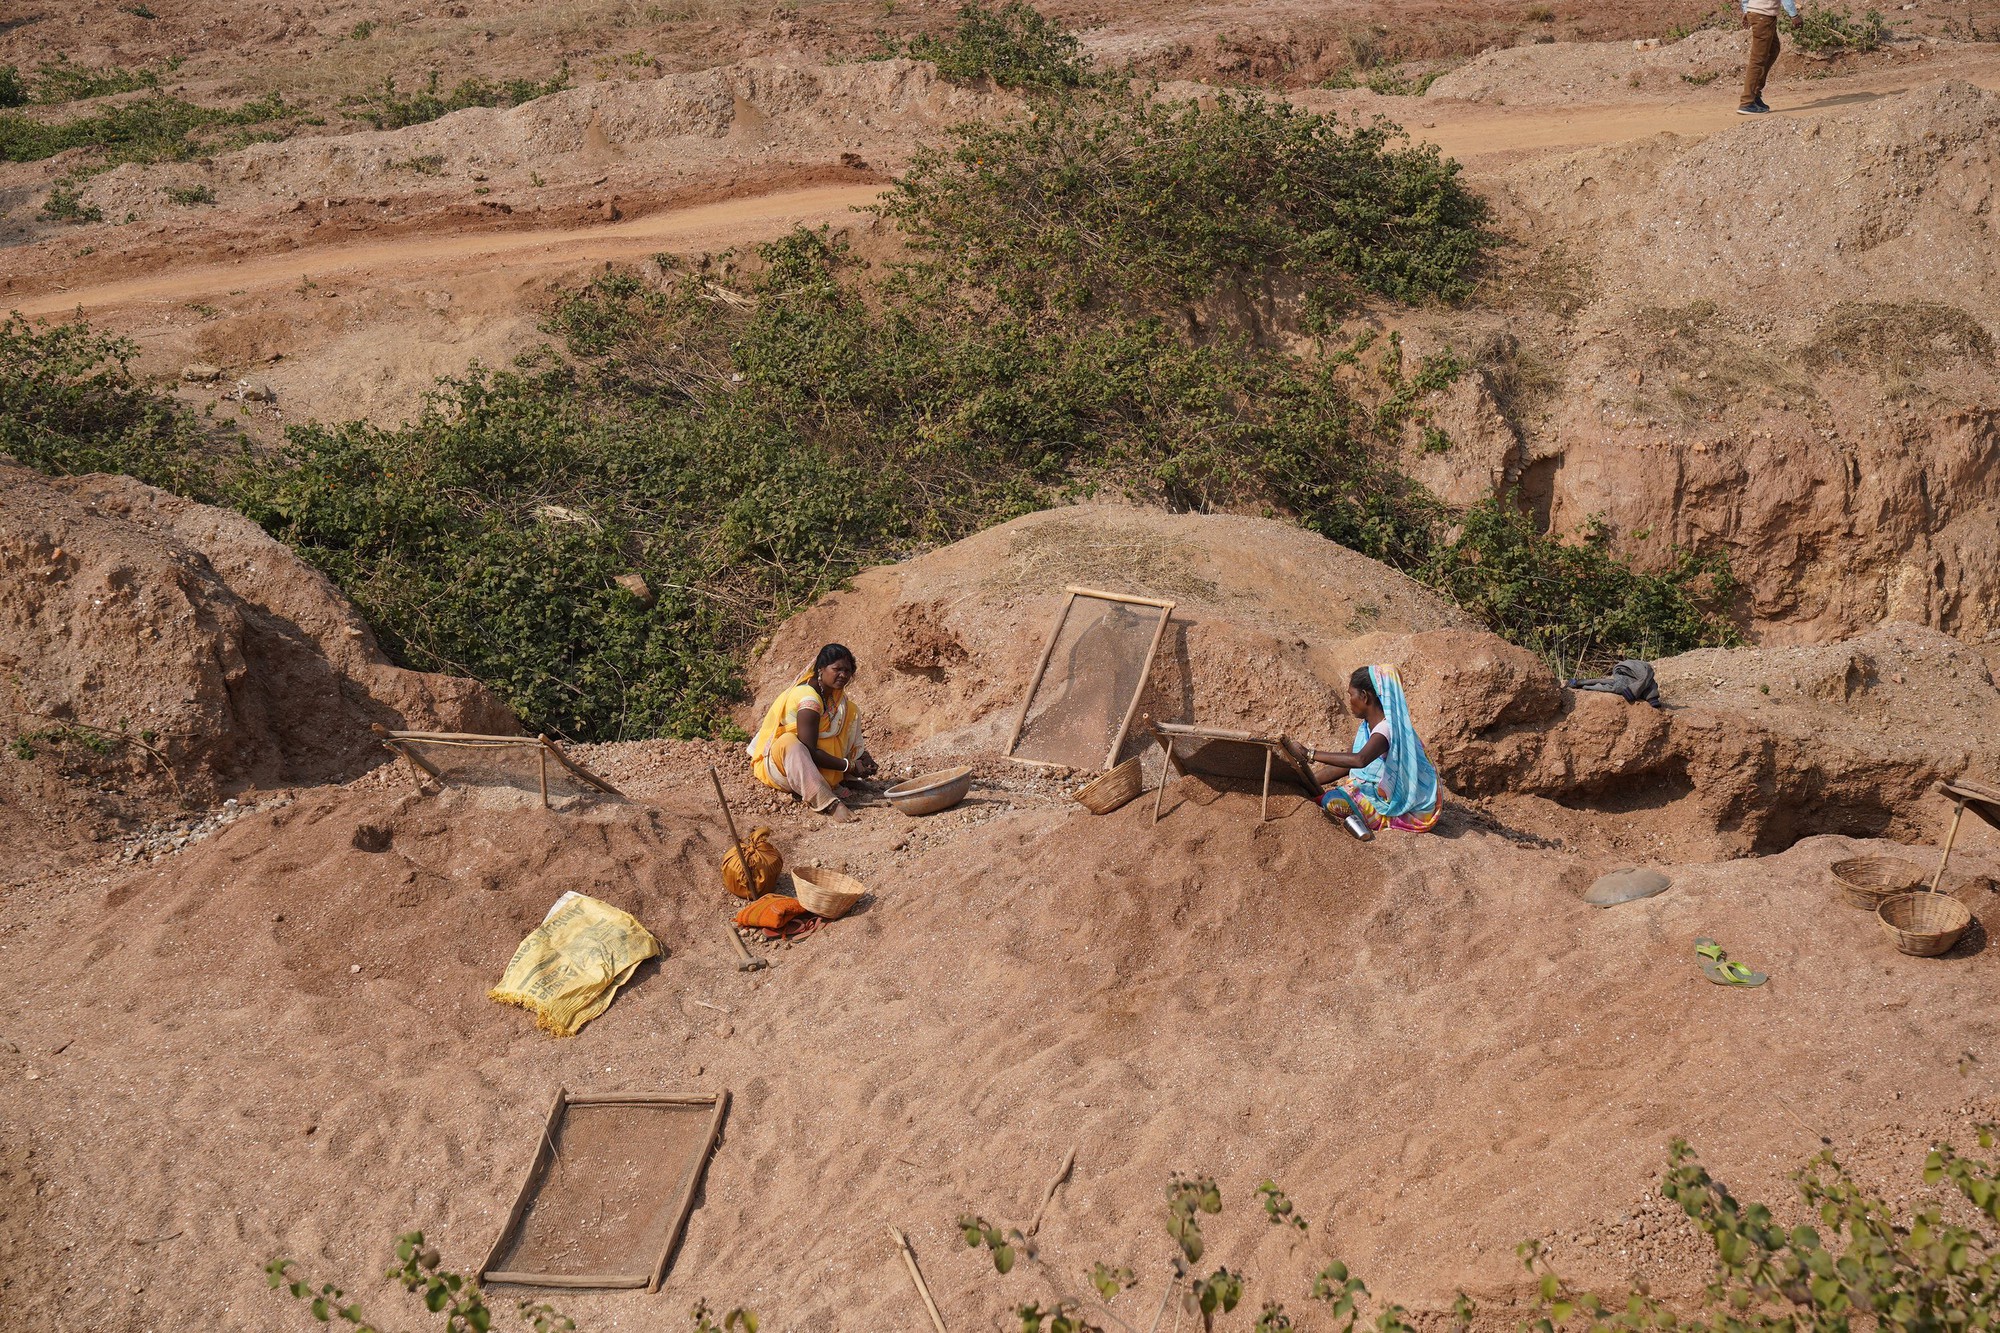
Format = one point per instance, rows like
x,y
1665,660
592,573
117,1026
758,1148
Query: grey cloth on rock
x,y
1630,679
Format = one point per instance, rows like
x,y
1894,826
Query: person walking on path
x,y
1761,18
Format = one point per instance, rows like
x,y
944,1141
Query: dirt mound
x,y
608,139
1269,622
157,650
948,641
276,1008
1778,340
1590,72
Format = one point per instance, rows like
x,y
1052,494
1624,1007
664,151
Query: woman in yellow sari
x,y
810,740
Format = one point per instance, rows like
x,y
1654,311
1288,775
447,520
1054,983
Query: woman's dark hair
x,y
1363,681
833,652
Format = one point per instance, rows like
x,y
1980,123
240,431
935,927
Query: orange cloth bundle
x,y
766,862
773,911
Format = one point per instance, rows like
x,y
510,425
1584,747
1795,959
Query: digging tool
x,y
747,963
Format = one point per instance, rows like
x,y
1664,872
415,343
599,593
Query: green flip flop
x,y
1715,965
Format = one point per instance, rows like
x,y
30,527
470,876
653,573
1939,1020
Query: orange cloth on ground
x,y
773,911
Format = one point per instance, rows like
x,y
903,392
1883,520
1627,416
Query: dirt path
x,y
1468,131
745,219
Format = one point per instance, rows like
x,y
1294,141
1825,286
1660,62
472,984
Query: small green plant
x,y
64,204
455,1297
1726,15
12,91
1278,1207
1835,28
189,195
1394,81
388,109
428,164
158,128
60,81
738,1319
1016,46
138,12
1703,79
361,31
24,748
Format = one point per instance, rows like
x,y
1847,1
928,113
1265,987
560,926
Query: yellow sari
x,y
839,731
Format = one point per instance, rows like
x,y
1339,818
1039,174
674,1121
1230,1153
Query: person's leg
x,y
1763,51
802,777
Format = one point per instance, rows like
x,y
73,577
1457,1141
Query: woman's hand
x,y
864,765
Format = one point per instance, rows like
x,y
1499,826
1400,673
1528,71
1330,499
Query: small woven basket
x,y
1866,880
1924,924
826,893
1107,791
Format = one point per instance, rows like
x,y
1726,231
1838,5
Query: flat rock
x,y
1626,886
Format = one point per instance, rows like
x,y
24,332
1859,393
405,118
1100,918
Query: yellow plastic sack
x,y
570,967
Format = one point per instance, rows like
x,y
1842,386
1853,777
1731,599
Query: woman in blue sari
x,y
1387,780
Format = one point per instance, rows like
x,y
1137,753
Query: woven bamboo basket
x,y
1107,791
1924,924
826,893
1866,880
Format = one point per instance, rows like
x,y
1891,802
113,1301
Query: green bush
x,y
158,128
1576,603
1926,1274
388,109
60,81
70,404
189,195
1835,28
12,92
64,204
1117,198
1015,46
746,444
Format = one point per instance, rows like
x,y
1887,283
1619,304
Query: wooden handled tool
x,y
748,963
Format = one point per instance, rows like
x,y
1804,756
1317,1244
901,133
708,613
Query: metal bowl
x,y
931,792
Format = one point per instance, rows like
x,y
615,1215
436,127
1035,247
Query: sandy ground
x,y
265,1039
1429,1041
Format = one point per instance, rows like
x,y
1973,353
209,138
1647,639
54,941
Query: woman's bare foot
x,y
835,811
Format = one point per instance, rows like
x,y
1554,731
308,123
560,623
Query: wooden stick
x,y
1173,1280
473,737
1139,690
742,857
1062,1174
542,760
417,762
581,773
642,1099
1264,806
916,1276
1104,596
1034,682
544,1147
747,963
1166,770
689,1185
1949,838
605,1281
